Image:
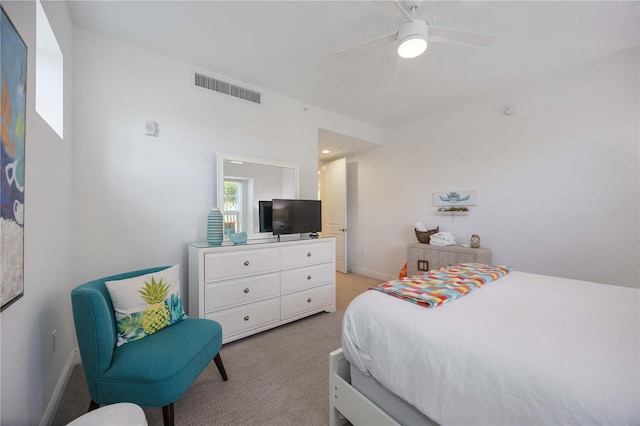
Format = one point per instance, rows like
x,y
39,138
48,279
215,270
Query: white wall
x,y
29,369
139,200
557,183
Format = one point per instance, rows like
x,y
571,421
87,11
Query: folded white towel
x,y
432,241
440,236
444,234
442,243
420,227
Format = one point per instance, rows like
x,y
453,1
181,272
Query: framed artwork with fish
x,y
455,198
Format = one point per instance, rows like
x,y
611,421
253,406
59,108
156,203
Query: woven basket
x,y
423,237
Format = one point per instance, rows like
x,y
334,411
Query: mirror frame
x,y
222,157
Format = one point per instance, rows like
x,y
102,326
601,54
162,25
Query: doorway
x,y
333,151
333,194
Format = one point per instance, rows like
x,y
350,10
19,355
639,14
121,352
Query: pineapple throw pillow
x,y
146,304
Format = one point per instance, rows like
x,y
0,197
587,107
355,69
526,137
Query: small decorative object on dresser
x,y
214,227
475,241
239,238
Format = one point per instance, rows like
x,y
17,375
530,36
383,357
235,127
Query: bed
x,y
525,349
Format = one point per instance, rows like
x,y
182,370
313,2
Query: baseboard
x,y
373,274
54,402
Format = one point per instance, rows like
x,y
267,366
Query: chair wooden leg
x,y
220,366
167,414
93,405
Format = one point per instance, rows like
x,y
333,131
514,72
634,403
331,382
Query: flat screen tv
x,y
296,216
264,212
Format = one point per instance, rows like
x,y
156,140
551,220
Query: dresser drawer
x,y
245,317
423,257
306,254
306,277
240,263
420,260
465,258
448,258
307,300
243,290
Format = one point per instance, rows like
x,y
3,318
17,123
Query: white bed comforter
x,y
523,350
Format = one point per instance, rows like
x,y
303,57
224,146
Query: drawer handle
x,y
309,254
308,277
246,290
246,263
309,300
246,318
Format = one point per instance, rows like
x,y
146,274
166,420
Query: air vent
x,y
223,87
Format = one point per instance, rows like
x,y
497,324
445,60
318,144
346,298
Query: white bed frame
x,y
345,402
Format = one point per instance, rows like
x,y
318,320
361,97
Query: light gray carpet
x,y
277,377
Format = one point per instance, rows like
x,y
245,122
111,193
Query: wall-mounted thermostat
x,y
510,109
151,128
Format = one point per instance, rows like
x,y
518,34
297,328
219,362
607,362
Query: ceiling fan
x,y
414,32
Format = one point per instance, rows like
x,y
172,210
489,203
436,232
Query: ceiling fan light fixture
x,y
412,47
412,38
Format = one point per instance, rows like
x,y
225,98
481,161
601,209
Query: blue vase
x,y
214,227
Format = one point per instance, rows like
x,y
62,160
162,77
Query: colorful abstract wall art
x,y
13,73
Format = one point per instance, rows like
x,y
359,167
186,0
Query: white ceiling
x,y
339,145
289,46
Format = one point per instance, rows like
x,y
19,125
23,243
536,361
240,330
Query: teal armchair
x,y
151,372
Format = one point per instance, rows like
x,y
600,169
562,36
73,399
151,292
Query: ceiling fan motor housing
x,y
417,27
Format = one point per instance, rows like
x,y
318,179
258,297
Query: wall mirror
x,y
244,181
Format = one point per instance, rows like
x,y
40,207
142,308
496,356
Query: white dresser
x,y
253,287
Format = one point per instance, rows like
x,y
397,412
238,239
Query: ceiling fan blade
x,y
369,43
394,10
450,36
435,11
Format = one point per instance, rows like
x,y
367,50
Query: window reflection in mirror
x,y
233,192
243,182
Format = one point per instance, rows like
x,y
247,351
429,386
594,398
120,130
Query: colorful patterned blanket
x,y
434,288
